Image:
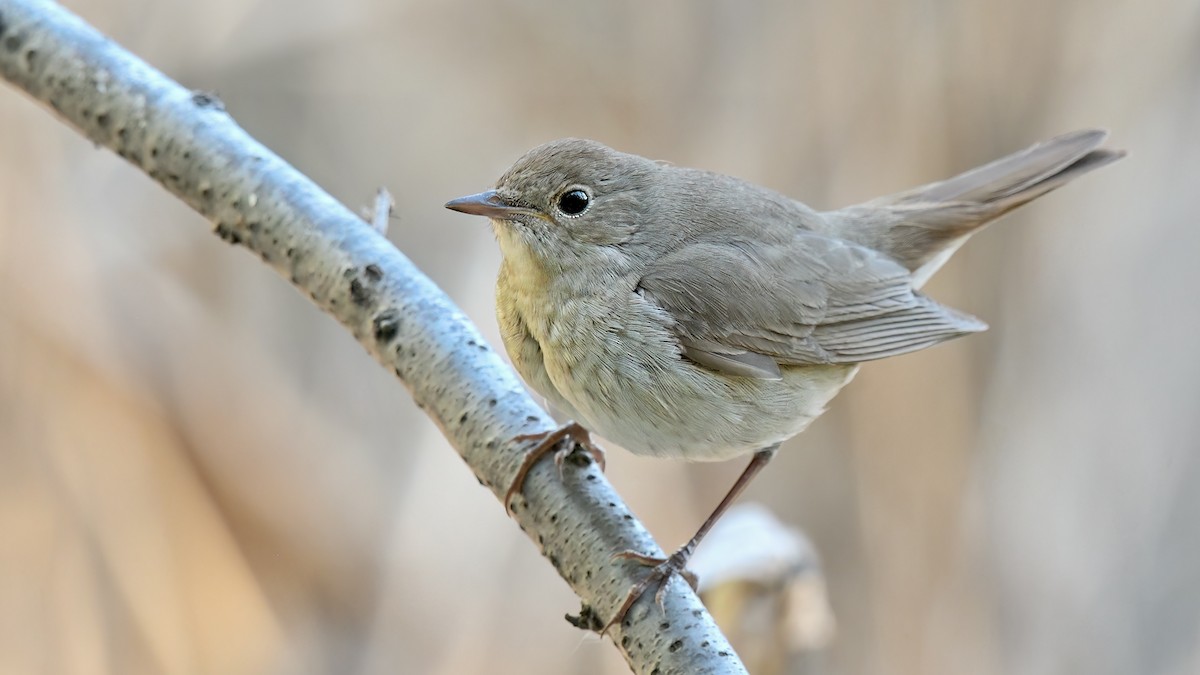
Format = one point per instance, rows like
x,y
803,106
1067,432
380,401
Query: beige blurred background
x,y
201,473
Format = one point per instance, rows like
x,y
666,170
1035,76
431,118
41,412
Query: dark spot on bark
x,y
3,26
553,517
207,99
253,226
86,113
102,120
123,134
480,479
675,646
666,625
530,418
13,42
173,177
656,671
492,403
704,645
612,505
591,476
154,152
463,419
387,325
348,273
226,233
290,252
187,154
359,293
206,193
724,653
30,57
696,613
625,642
373,272
553,560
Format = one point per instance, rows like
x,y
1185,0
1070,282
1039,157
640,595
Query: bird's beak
x,y
485,204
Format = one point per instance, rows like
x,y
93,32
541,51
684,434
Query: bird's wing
x,y
746,307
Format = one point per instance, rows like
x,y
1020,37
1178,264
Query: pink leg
x,y
663,568
547,441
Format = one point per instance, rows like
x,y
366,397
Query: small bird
x,y
691,315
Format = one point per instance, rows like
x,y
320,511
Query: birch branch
x,y
187,142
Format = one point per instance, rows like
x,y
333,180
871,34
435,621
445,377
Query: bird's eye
x,y
574,202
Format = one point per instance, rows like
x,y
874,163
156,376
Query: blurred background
x,y
201,473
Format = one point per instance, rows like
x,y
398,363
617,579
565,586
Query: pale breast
x,y
523,349
610,358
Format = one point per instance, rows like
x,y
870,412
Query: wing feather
x,y
746,308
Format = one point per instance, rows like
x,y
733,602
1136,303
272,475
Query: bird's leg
x,y
663,568
546,442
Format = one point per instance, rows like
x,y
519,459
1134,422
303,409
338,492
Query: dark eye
x,y
574,202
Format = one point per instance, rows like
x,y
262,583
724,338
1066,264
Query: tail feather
x,y
921,227
1019,172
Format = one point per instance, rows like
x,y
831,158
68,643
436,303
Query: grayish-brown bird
x,y
686,314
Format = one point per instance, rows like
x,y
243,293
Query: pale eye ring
x,y
574,202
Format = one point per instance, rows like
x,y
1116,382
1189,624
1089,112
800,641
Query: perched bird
x,y
691,315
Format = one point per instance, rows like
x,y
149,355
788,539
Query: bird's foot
x,y
661,571
545,443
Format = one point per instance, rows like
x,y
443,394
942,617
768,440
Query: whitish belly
x,y
623,375
707,417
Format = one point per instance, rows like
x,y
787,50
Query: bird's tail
x,y
921,227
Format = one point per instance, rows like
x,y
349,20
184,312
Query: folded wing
x,y
748,307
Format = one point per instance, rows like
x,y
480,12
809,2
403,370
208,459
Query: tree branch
x,y
187,142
